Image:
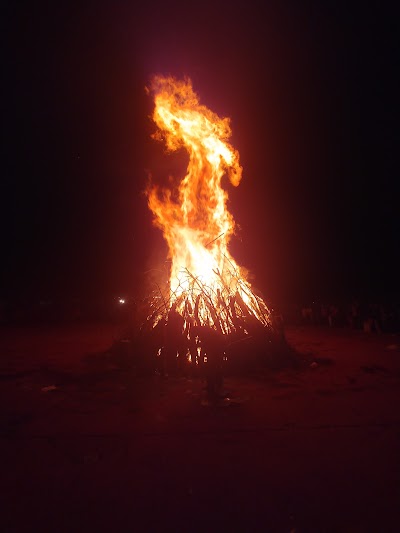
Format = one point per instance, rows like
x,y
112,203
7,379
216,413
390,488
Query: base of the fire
x,y
173,338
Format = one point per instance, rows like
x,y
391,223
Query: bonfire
x,y
206,287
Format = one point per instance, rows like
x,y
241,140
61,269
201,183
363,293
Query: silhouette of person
x,y
212,345
158,345
174,340
191,340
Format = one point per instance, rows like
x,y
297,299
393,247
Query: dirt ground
x,y
87,445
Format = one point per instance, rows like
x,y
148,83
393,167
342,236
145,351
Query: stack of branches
x,y
229,306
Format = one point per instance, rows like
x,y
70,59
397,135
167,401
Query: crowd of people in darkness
x,y
370,317
356,314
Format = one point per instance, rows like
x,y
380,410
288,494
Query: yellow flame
x,y
195,220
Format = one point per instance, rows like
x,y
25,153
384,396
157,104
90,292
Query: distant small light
x,y
121,300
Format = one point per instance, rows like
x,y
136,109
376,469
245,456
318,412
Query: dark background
x,y
312,93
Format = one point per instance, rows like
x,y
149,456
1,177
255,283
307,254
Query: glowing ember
x,y
206,286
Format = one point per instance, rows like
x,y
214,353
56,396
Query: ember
x,y
206,287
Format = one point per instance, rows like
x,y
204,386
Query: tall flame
x,y
195,220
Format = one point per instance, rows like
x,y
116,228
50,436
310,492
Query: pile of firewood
x,y
230,306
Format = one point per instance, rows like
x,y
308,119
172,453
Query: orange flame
x,y
194,219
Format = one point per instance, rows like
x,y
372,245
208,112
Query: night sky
x,y
313,97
